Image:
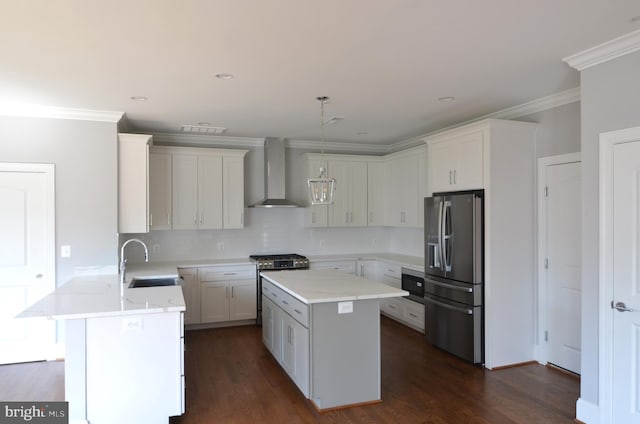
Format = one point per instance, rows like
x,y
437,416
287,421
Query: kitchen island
x,y
124,358
323,327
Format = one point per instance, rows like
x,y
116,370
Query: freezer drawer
x,y
455,327
468,294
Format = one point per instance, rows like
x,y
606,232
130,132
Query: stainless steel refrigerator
x,y
454,273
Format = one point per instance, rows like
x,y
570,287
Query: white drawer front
x,y
226,273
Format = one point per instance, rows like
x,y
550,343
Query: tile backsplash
x,y
274,231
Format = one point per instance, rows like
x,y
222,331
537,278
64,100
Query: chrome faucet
x,y
123,261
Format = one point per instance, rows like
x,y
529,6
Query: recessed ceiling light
x,y
446,99
224,76
138,98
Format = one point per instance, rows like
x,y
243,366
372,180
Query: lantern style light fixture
x,y
321,189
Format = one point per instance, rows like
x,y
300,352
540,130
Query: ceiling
x,y
384,64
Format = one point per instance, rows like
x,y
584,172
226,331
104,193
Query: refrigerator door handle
x,y
449,286
446,305
441,258
445,239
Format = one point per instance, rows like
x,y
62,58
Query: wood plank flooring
x,y
232,378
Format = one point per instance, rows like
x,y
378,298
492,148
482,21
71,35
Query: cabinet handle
x,y
168,219
362,270
455,176
351,217
201,218
285,302
297,312
450,177
274,295
195,219
226,292
391,306
151,220
413,315
230,273
313,217
232,294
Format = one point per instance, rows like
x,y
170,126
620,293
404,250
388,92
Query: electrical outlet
x,y
132,324
65,251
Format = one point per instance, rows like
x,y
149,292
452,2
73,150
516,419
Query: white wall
x,y
610,97
85,158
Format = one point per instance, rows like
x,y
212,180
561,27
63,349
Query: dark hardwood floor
x,y
232,378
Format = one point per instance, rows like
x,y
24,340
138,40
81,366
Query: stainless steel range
x,y
280,262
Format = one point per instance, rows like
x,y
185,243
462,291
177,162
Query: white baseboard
x,y
587,412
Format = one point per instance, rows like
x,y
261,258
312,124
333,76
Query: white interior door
x,y
27,259
626,283
563,265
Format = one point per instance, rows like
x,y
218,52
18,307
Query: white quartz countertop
x,y
99,296
323,286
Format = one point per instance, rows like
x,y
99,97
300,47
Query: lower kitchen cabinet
x,y
400,309
348,265
227,294
191,294
288,342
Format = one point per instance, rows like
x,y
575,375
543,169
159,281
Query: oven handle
x,y
449,286
446,305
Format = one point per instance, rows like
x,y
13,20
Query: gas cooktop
x,y
280,261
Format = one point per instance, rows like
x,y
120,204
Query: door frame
x,y
48,169
607,142
543,163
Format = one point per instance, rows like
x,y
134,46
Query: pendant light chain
x,y
321,189
322,99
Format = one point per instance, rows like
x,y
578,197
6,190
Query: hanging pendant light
x,y
321,189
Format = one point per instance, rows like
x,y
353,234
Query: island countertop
x,y
323,286
99,296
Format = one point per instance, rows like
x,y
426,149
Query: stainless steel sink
x,y
151,282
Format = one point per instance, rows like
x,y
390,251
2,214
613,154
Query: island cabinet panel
x,y
343,371
134,368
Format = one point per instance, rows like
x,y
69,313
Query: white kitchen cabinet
x,y
457,162
400,309
227,294
133,183
423,183
367,268
316,215
191,294
376,193
233,191
402,187
207,187
346,265
160,181
349,208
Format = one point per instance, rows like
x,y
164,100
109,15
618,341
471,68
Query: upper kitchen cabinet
x,y
349,208
207,187
375,193
160,191
403,187
456,161
316,215
133,183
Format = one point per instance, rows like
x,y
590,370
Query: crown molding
x,y
544,103
605,52
202,140
38,111
337,146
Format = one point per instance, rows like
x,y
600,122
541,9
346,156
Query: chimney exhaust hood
x,y
274,178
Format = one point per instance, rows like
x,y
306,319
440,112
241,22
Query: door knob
x,y
621,307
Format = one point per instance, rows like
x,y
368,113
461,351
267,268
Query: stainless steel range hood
x,y
274,176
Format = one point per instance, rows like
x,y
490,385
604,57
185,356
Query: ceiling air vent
x,y
203,129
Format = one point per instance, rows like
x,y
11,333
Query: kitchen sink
x,y
151,282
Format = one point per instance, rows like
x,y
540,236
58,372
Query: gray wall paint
x,y
610,96
85,158
558,130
